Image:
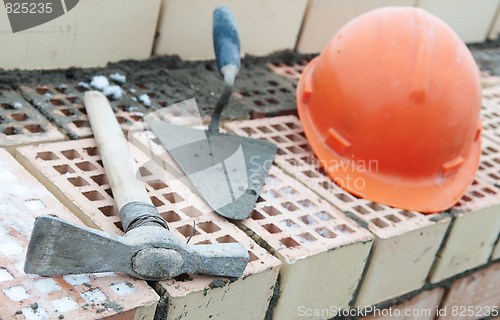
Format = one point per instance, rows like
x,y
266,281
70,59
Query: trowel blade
x,y
60,247
227,170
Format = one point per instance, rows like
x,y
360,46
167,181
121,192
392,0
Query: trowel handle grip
x,y
119,165
226,38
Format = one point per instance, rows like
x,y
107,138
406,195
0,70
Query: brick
x,y
406,242
290,72
185,27
22,199
479,291
86,192
21,124
421,307
471,19
76,39
64,105
325,17
304,232
490,114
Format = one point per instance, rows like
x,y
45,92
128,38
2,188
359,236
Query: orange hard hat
x,y
391,109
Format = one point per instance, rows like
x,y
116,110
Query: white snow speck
x,y
99,82
47,96
271,194
76,280
5,275
323,216
104,274
94,296
134,98
69,175
116,91
47,285
34,204
64,304
17,105
16,293
24,226
145,99
289,224
6,175
272,180
132,90
83,84
123,288
8,208
38,314
10,247
118,77
288,191
18,190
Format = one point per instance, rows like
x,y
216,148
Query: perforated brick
x,y
473,297
64,105
21,124
406,242
421,307
305,232
73,172
85,296
289,72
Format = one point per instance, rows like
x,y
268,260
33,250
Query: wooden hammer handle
x,y
119,165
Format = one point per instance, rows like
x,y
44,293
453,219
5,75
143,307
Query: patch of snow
x,y
10,247
5,275
64,304
99,82
47,96
76,280
83,84
116,91
16,293
123,288
47,285
104,274
6,175
34,314
34,204
94,296
132,90
118,77
18,190
7,209
17,105
145,99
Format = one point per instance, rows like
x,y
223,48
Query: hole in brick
x,y
99,162
379,223
47,156
192,212
42,91
325,233
280,152
306,147
258,103
260,199
375,206
489,191
277,127
392,218
183,277
83,110
272,101
157,184
474,182
361,210
272,211
289,242
226,239
110,98
67,112
248,130
72,99
292,125
289,224
141,86
293,162
253,257
294,137
273,83
311,174
173,197
245,94
308,220
208,227
109,211
34,128
93,195
466,198
100,179
80,88
324,216
86,166
307,237
144,172
487,164
278,139
494,176
7,106
307,204
121,119
289,206
170,216
309,160
136,118
295,149
151,94
264,129
271,194
63,169
256,215
156,201
187,230
271,91
406,214
289,191
71,154
19,116
344,197
78,182
272,179
118,224
477,194
272,228
492,149
80,123
343,229
203,242
57,102
10,131
255,92
109,192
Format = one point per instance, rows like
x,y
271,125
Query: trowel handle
x,y
118,163
226,39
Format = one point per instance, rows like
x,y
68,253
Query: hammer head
x,y
58,247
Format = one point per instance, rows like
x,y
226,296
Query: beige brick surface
x,y
289,72
85,296
421,307
474,296
185,26
21,123
78,179
92,34
305,232
405,243
471,19
325,17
